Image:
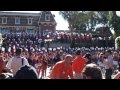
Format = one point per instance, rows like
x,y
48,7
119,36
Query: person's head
x,y
108,52
88,56
101,56
18,51
92,71
26,72
68,59
115,54
78,52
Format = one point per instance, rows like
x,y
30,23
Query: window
x,y
4,20
47,17
17,20
30,21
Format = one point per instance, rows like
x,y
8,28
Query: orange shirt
x,y
78,64
61,70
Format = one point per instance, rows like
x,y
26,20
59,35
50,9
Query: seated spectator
x,y
92,71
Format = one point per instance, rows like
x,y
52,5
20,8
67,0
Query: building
x,y
16,22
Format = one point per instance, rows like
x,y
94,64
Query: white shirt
x,y
100,64
108,62
115,62
15,63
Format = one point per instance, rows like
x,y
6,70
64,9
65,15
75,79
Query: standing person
x,y
57,57
43,66
30,59
78,64
62,69
115,60
2,63
100,62
119,62
108,62
88,56
17,62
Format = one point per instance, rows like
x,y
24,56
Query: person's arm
x,y
117,76
9,64
71,73
55,73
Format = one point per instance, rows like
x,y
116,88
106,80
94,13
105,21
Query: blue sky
x,y
61,23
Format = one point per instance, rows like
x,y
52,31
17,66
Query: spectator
x,y
115,60
26,72
2,63
17,62
108,62
88,56
30,59
92,71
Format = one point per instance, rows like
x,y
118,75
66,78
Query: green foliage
x,y
83,20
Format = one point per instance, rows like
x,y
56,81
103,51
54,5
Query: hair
x,y
26,72
18,51
109,51
78,52
93,71
88,56
68,56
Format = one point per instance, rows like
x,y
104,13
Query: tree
x,y
82,20
70,16
115,23
77,19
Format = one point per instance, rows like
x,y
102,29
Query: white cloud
x,y
61,23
